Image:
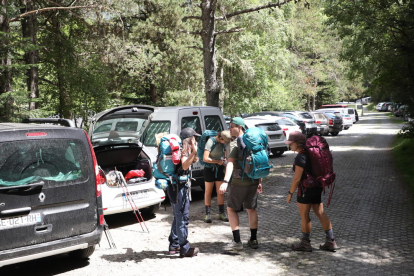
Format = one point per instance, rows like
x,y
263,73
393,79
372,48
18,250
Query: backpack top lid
x,y
255,139
164,146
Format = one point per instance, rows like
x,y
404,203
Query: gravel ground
x,y
371,212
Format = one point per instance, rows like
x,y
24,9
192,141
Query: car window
x,y
306,115
53,161
154,127
285,122
213,123
193,122
126,126
103,128
350,111
269,127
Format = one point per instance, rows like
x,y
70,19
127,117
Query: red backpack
x,y
322,165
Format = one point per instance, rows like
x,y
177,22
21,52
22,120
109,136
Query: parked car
x,y
334,123
306,117
379,106
50,193
347,121
169,120
274,132
400,111
322,123
366,100
293,118
384,106
343,110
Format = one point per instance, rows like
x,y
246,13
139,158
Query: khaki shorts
x,y
240,196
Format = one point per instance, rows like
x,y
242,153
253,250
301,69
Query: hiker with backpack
x,y
312,156
178,194
214,158
243,190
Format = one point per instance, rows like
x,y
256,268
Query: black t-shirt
x,y
302,160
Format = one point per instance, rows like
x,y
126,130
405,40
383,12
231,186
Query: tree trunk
x,y
222,91
153,93
5,63
209,52
29,30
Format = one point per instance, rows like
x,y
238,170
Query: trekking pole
x,y
108,235
131,200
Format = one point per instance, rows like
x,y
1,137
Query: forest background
x,y
72,59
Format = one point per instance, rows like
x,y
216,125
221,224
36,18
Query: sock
x,y
207,209
221,209
329,234
253,233
236,235
306,236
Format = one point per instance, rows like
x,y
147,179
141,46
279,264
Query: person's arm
x,y
227,175
295,183
260,187
186,161
207,159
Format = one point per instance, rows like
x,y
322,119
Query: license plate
x,y
137,195
274,136
20,221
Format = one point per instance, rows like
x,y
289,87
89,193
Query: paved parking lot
x,y
371,212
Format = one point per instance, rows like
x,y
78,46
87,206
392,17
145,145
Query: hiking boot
x,y
192,252
174,250
253,244
303,245
223,217
234,246
329,245
208,219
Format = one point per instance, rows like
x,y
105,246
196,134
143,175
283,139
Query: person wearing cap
x,y
242,191
180,201
215,175
311,199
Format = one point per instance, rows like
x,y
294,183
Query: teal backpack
x,y
208,134
255,155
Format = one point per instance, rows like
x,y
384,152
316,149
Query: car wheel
x,y
277,153
152,209
334,133
346,128
82,253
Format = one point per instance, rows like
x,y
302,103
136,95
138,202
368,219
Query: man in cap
x,y
242,192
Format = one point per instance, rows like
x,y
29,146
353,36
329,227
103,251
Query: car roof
x,y
21,126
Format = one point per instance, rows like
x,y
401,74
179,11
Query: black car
x,y
293,118
334,123
50,193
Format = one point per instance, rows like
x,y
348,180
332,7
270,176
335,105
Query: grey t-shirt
x,y
218,152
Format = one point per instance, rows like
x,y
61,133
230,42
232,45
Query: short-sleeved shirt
x,y
236,151
302,160
218,152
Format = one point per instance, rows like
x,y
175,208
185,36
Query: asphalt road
x,y
371,212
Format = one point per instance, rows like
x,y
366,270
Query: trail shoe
x,y
223,217
192,252
174,250
234,246
329,245
303,245
208,218
253,244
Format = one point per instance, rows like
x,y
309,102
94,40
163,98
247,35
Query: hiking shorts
x,y
210,173
239,196
312,198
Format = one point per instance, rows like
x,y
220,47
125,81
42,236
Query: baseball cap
x,y
188,132
226,136
238,121
295,136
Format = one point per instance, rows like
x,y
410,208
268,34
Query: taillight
x,y
285,129
318,122
98,173
101,219
36,134
284,133
330,122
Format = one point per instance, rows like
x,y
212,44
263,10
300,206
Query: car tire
x,y
277,153
334,133
82,253
346,128
151,210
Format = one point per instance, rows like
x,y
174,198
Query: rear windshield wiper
x,y
23,188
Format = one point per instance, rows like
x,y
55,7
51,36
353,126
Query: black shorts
x,y
311,197
210,173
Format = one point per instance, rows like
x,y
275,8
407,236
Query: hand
x,y
260,188
194,146
289,198
223,188
220,162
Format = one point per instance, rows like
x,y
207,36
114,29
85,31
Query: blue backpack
x,y
208,134
255,155
164,169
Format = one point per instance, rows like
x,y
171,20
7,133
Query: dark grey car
x,y
50,198
334,123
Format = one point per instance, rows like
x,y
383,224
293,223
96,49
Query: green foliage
x,y
407,131
403,151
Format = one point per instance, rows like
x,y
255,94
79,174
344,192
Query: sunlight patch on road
x,y
356,148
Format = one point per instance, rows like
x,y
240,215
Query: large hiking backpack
x,y
164,169
255,155
322,164
207,135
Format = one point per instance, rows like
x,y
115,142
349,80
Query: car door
x,y
191,117
47,186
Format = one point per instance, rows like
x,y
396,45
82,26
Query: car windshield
x,y
153,128
333,115
306,115
286,122
119,125
53,160
269,127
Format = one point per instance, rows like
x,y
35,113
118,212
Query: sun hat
x,y
226,136
238,121
296,136
188,132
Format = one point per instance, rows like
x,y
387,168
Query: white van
x,y
344,111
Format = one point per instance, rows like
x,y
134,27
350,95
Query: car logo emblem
x,y
42,197
2,204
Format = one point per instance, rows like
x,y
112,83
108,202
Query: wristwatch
x,y
225,181
290,193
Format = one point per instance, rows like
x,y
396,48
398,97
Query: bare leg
x,y
253,218
220,197
207,194
233,219
305,221
323,218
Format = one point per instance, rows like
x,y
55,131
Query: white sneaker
x,y
234,246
